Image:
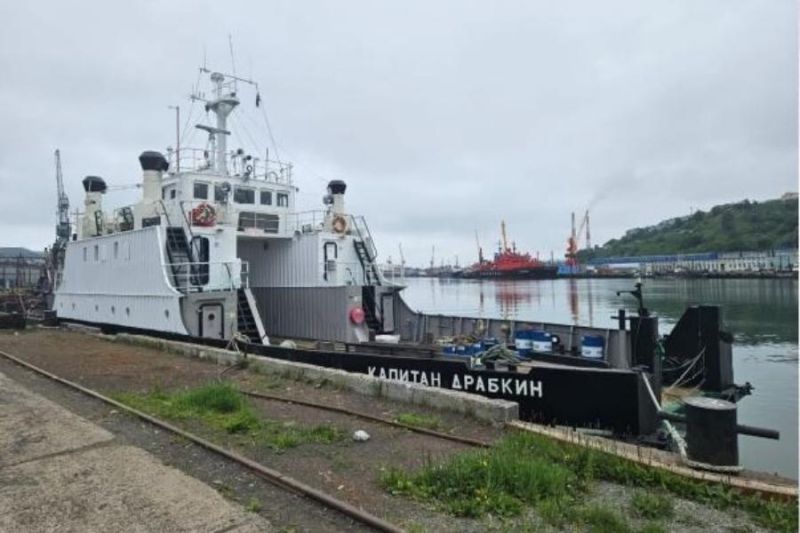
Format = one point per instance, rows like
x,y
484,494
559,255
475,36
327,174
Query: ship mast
x,y
222,104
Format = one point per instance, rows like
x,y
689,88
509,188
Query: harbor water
x,y
762,314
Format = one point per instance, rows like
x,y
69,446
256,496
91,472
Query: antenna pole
x,y
177,109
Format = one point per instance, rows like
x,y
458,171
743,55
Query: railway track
x,y
365,416
278,479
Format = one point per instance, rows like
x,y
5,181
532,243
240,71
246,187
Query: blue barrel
x,y
592,346
488,342
522,340
449,349
541,341
461,350
477,348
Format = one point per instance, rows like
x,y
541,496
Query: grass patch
x,y
652,527
527,469
254,506
420,421
652,505
222,408
597,519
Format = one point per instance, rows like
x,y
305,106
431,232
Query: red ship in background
x,y
508,263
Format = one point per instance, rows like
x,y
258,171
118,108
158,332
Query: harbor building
x,y
741,262
20,267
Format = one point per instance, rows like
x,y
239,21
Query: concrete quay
x,y
61,472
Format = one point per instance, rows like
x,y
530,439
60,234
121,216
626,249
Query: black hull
x,y
527,273
553,394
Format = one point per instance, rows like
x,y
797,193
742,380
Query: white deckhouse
x,y
215,247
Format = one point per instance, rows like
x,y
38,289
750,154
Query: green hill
x,y
741,226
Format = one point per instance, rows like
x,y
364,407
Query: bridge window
x,y
116,249
283,199
85,254
263,221
96,252
219,194
200,190
266,197
242,195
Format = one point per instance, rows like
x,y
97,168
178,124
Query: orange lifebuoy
x,y
204,215
339,224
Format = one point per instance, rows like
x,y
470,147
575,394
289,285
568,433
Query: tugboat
x,y
508,263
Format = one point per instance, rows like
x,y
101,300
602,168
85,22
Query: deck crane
x,y
574,238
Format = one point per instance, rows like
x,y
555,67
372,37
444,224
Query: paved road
x,y
60,472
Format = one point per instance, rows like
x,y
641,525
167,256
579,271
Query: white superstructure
x,y
215,246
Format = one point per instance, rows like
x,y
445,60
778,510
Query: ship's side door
x,y
387,311
211,321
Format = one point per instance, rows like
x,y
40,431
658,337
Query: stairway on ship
x,y
247,319
180,257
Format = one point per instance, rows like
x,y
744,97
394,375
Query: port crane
x,y
63,227
574,238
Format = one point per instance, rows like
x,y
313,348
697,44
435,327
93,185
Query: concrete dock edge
x,y
485,409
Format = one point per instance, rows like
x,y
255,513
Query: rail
x,y
241,166
199,276
273,476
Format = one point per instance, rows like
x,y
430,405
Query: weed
x,y
652,505
417,420
223,408
254,506
225,490
599,519
527,469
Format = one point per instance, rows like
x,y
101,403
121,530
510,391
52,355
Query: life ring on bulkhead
x,y
339,224
204,215
357,316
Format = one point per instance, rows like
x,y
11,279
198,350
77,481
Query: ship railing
x,y
189,159
307,221
208,276
338,273
316,220
361,229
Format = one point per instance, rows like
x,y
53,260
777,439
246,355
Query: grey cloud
x,y
444,117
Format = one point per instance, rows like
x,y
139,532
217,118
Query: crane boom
x,y
63,227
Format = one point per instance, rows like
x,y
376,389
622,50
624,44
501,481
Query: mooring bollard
x,y
711,433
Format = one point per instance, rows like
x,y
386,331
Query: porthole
x,y
96,307
166,313
113,309
73,306
128,311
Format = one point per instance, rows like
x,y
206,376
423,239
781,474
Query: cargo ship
x,y
508,263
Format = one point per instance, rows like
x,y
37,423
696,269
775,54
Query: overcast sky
x,y
443,117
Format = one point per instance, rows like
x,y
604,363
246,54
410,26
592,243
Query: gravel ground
x,y
346,469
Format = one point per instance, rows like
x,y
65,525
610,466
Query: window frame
x,y
201,184
237,190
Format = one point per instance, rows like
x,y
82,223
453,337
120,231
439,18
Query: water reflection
x,y
756,311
